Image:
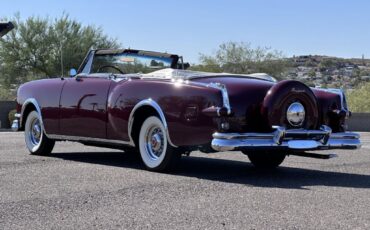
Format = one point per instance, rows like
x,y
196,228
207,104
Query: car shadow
x,y
230,171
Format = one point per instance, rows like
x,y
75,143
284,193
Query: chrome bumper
x,y
15,124
292,139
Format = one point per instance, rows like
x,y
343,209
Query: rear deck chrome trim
x,y
225,95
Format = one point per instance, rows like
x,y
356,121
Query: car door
x,y
83,106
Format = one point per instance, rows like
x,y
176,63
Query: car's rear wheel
x,y
266,159
156,153
36,141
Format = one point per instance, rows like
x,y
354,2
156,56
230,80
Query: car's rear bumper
x,y
282,139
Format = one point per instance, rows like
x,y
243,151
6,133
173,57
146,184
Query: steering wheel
x,y
110,66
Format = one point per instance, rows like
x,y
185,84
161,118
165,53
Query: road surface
x,y
81,187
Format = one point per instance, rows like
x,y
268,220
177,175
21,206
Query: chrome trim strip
x,y
225,95
78,138
287,139
154,105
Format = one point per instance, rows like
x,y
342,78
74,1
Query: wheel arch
x,y
28,106
139,113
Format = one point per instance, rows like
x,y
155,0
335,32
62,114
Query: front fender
x,y
44,95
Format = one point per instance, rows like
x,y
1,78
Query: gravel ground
x,y
81,187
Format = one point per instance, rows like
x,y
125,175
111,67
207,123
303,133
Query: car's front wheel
x,y
36,141
266,159
156,153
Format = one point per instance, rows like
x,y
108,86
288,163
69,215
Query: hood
x,y
5,27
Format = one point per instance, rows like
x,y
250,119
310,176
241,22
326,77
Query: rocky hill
x,y
325,71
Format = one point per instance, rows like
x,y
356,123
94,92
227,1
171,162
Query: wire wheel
x,y
36,141
155,151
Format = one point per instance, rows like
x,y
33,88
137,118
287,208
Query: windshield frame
x,y
86,65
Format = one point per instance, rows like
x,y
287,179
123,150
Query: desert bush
x,y
359,99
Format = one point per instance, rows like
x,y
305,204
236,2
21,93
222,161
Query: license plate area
x,y
302,144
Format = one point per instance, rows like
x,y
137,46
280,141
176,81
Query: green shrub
x,y
359,99
6,94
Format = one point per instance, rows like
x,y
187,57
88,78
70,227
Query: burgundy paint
x,y
100,107
246,96
47,94
83,107
173,100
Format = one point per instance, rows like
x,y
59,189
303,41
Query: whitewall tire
x,y
36,141
155,151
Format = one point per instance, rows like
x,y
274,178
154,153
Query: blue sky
x,y
331,27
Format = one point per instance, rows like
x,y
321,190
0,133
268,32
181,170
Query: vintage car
x,y
147,102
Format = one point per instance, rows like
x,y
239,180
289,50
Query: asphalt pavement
x,y
81,187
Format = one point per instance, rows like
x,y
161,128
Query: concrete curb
x,y
5,108
359,122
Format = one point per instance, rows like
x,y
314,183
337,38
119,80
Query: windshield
x,y
128,63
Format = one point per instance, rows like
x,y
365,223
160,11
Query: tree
x,y
34,48
6,94
239,57
327,63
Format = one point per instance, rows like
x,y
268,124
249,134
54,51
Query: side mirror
x,y
72,72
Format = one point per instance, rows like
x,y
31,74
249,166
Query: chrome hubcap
x,y
154,142
35,132
296,114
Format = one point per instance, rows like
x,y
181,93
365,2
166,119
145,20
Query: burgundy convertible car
x,y
147,102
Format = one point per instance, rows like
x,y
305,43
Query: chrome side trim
x,y
91,139
154,105
295,139
225,95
